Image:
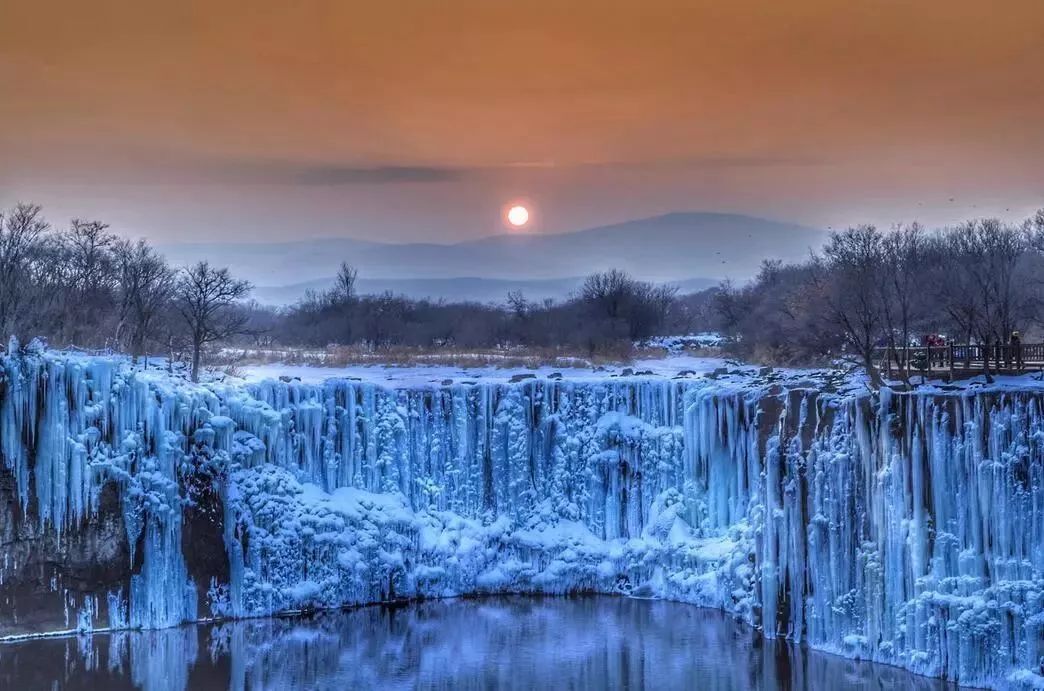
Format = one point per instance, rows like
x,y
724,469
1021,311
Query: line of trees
x,y
977,282
865,288
608,314
85,286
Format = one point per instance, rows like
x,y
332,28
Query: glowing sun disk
x,y
518,215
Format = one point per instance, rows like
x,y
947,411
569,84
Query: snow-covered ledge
x,y
905,528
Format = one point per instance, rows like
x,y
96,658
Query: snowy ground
x,y
677,366
680,365
729,374
674,366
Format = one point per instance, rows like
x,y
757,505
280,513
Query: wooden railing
x,y
999,357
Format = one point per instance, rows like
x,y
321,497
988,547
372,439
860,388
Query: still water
x,y
497,643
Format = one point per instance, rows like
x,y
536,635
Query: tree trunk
x,y
872,371
196,348
902,369
119,335
137,346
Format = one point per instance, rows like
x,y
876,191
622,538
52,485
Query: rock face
x,y
57,577
906,528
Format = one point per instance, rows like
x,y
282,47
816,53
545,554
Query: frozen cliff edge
x,y
904,528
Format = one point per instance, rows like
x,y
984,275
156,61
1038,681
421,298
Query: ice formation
x,y
904,528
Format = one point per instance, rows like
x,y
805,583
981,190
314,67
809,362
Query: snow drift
x,y
904,528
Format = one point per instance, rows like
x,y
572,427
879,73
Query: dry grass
x,y
343,356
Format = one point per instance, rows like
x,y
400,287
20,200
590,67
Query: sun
x,y
518,216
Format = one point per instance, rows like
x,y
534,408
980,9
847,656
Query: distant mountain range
x,y
464,289
693,249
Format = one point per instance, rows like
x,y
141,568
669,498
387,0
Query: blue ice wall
x,y
906,528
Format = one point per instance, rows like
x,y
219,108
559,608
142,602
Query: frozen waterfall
x,y
906,528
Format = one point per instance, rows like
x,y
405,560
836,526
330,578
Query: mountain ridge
x,y
675,246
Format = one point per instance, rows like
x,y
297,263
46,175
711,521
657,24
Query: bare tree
x,y
90,245
608,292
92,279
206,298
957,291
854,260
989,287
20,233
904,260
146,286
344,287
650,305
729,303
517,304
779,316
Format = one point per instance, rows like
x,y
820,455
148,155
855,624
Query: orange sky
x,y
403,120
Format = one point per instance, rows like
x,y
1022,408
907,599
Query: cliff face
x,y
907,528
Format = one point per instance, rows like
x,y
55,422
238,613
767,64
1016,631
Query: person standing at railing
x,y
938,350
1015,346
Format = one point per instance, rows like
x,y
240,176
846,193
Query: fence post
x,y
952,350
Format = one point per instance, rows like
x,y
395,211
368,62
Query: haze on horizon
x,y
417,121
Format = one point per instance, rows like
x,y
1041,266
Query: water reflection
x,y
499,643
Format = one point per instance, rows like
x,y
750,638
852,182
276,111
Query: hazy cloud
x,y
334,175
167,170
163,168
375,175
369,175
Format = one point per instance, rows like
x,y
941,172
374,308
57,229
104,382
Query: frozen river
x,y
596,642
